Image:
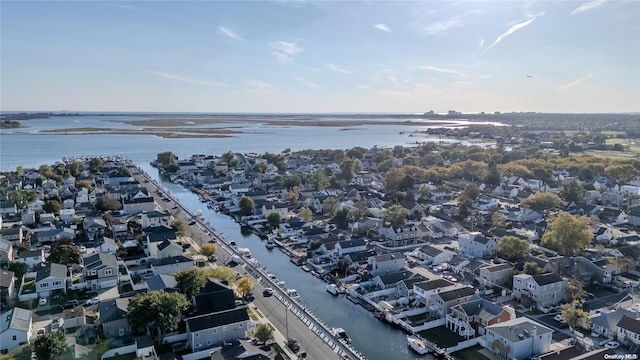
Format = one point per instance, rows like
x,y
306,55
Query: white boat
x,y
293,293
270,244
341,335
332,289
418,344
245,252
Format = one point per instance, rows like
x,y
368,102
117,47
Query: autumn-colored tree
x,y
208,249
512,248
542,201
245,286
568,234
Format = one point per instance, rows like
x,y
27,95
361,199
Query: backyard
x,y
442,336
472,353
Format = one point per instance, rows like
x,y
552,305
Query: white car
x,y
94,300
42,301
611,345
558,317
41,331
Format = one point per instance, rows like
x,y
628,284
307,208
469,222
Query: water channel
x,y
374,339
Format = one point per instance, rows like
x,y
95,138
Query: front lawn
x,y
442,336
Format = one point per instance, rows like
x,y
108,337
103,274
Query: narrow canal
x,y
374,339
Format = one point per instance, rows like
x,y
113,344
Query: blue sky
x,y
321,56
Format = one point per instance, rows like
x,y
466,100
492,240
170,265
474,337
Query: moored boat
x,y
332,289
418,344
341,335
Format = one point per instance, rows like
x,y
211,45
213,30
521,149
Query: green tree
x,y
574,315
21,198
65,254
330,206
244,286
261,167
293,195
49,346
305,214
470,192
341,219
208,249
105,203
23,352
223,273
395,215
52,206
159,309
575,290
531,268
572,191
85,184
247,205
274,219
349,167
498,220
263,332
542,201
19,269
568,234
190,281
181,227
95,164
512,248
319,181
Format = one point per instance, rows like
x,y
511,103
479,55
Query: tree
x,y
208,249
190,281
49,346
274,219
575,291
569,235
181,227
105,203
542,201
531,268
349,167
19,269
341,219
293,195
512,247
571,191
261,167
330,206
498,220
305,214
21,198
159,309
85,184
244,285
64,254
319,181
574,315
52,206
395,215
263,332
95,164
470,192
223,273
247,205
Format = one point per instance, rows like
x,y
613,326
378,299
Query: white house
x,y
475,245
629,332
350,246
170,265
546,289
6,251
50,277
15,328
32,258
518,339
207,331
385,263
169,249
101,271
433,255
155,218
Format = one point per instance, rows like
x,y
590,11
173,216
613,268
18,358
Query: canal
x,y
374,339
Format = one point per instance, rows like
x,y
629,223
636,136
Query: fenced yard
x,y
442,336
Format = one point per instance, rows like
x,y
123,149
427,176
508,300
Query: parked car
x,y
69,304
93,300
558,317
293,344
41,331
268,291
545,309
42,301
55,326
611,345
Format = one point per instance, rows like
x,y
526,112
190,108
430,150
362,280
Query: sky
x,y
320,56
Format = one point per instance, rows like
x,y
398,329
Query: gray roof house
x,y
101,271
518,339
605,324
113,317
50,277
15,328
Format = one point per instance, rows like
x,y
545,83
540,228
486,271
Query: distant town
x,y
524,246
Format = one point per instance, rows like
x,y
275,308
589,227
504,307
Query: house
x,y
67,216
7,287
275,207
101,271
28,218
433,255
119,227
475,245
471,318
518,339
168,249
6,251
156,235
441,302
50,277
400,235
33,258
214,296
15,328
113,317
207,331
108,246
52,235
385,263
629,332
633,217
94,227
7,208
74,317
350,246
606,323
14,235
497,274
138,205
546,289
170,265
390,280
155,219
166,283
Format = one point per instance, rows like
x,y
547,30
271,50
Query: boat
x,y
332,289
293,293
341,335
418,344
305,268
245,252
270,244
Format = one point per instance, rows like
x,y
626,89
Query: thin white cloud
x,y
575,82
284,51
588,6
363,86
336,68
308,83
185,79
512,29
230,33
481,43
382,27
442,26
259,87
131,7
443,70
